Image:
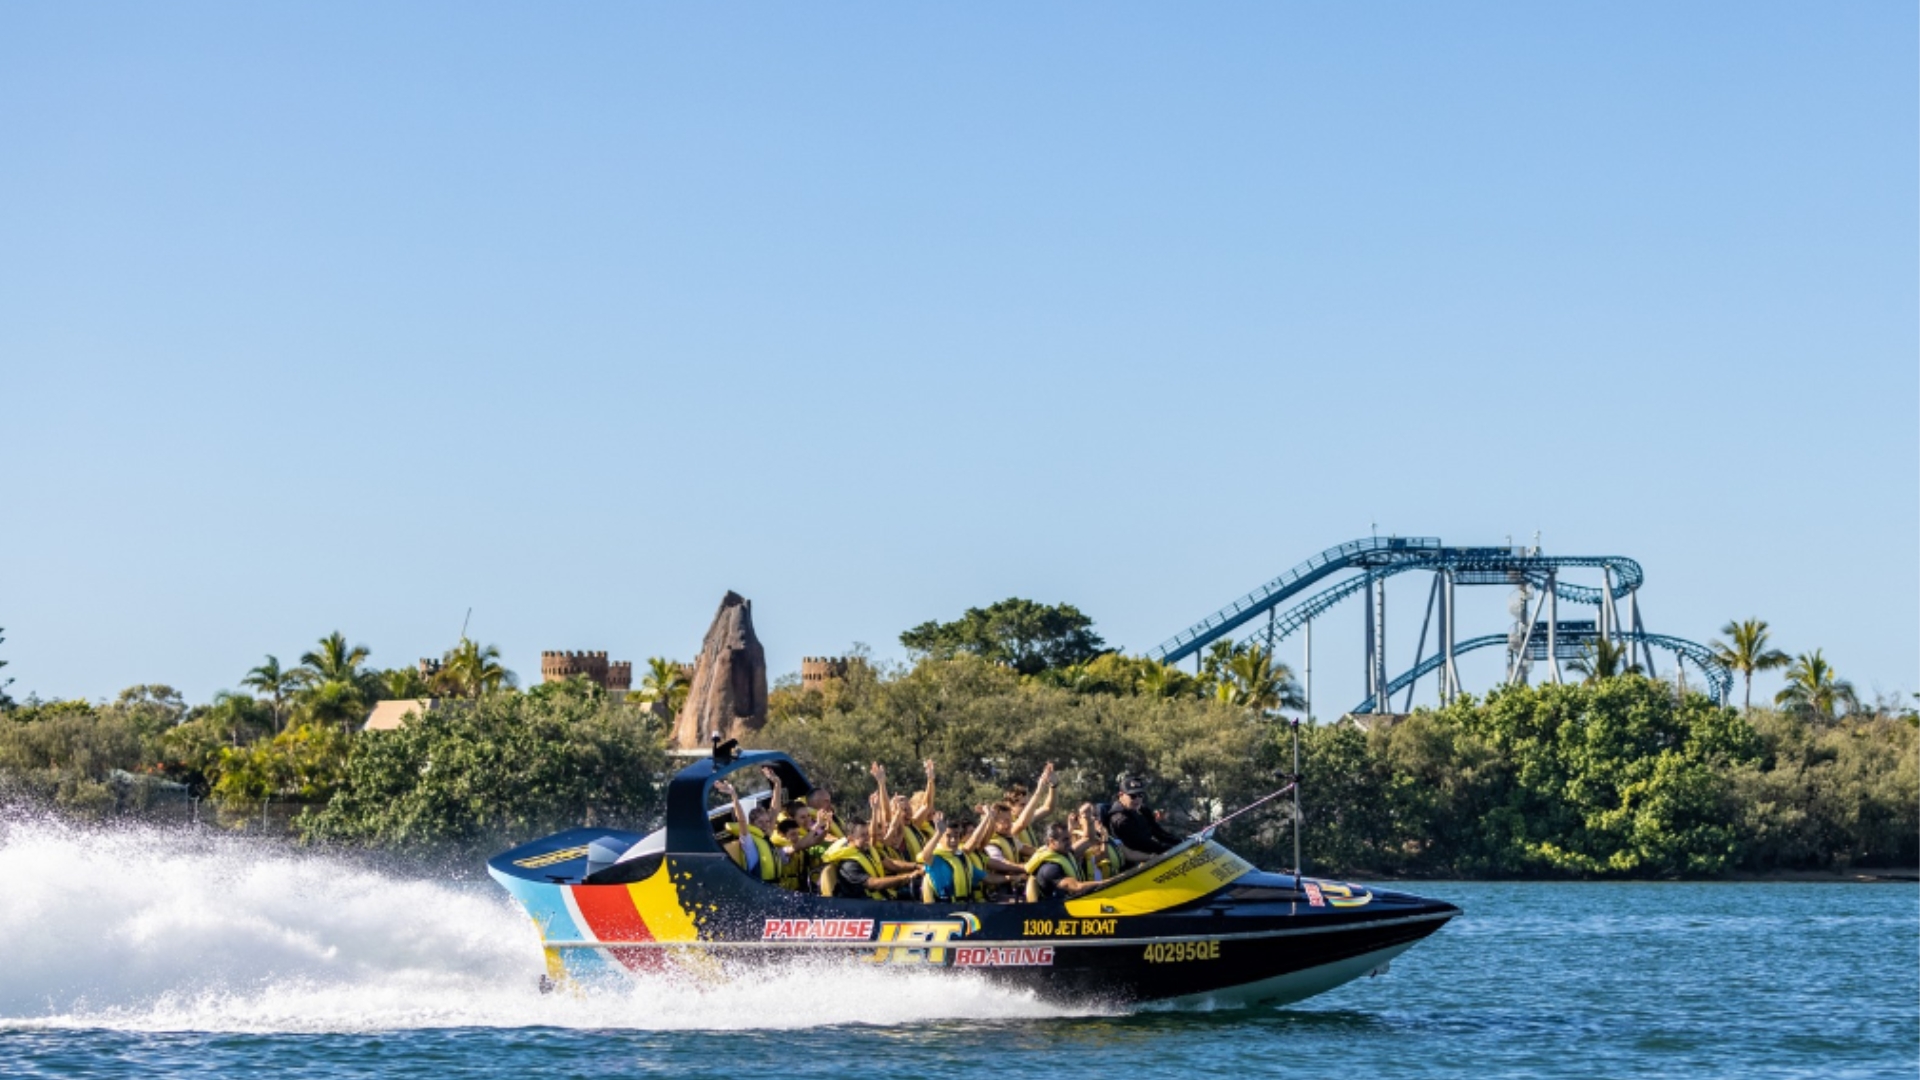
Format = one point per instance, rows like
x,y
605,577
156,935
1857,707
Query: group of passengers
x,y
906,849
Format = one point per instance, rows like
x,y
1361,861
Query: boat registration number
x,y
1174,952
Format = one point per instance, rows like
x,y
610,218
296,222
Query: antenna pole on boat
x,y
1296,802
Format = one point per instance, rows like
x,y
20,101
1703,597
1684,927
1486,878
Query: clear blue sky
x,y
359,315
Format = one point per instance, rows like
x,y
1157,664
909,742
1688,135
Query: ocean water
x,y
161,953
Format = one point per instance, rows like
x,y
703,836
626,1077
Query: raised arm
x,y
739,813
879,772
978,838
1080,828
776,799
939,833
1033,808
925,813
1046,801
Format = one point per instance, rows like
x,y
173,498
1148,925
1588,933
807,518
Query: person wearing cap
x,y
1130,821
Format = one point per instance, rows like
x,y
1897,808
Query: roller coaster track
x,y
1718,676
1380,557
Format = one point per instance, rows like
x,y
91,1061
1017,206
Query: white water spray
x,y
154,929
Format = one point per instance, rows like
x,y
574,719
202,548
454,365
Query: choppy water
x,y
152,952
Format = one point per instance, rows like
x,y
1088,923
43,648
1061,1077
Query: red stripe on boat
x,y
611,916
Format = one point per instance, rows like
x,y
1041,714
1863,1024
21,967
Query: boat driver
x,y
1131,822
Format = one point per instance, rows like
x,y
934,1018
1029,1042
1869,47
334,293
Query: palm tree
x,y
404,682
333,661
333,685
470,669
1164,681
1813,688
334,702
274,683
1258,682
1603,660
1748,652
664,686
1213,662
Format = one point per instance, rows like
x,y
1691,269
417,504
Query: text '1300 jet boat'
x,y
1198,924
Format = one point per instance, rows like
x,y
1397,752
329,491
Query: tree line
x,y
1616,774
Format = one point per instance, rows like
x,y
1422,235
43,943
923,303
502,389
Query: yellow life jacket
x,y
915,842
963,864
1048,855
793,872
1043,857
868,862
1028,838
1103,862
1007,844
769,868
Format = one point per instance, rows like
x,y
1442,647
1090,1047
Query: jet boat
x,y
1198,924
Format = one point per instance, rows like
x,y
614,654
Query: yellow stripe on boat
x,y
552,857
1185,876
657,900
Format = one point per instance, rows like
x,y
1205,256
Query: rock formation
x,y
729,691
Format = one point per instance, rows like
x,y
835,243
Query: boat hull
x,y
1198,924
1265,941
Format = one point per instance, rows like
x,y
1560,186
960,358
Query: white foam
x,y
165,930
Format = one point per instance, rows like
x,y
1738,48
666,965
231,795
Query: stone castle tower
x,y
816,670
593,666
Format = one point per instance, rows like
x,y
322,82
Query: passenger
x,y
1052,871
885,831
1001,850
795,841
1027,813
1100,858
775,793
888,823
1131,822
821,799
920,817
954,875
749,848
824,824
863,873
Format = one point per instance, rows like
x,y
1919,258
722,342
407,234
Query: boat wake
x,y
151,929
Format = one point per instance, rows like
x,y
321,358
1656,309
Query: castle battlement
x,y
816,670
591,665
